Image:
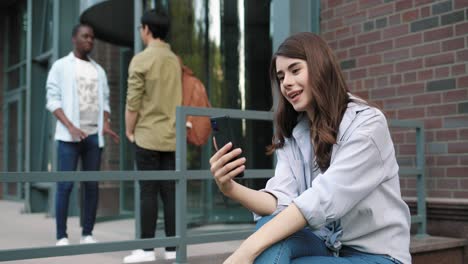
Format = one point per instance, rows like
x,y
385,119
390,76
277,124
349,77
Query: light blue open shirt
x,y
357,201
62,93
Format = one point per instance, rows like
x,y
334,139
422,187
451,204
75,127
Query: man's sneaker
x,y
169,254
140,255
62,242
87,240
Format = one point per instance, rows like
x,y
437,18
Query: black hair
x,y
157,21
77,27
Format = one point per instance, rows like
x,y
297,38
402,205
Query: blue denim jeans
x,y
69,153
304,247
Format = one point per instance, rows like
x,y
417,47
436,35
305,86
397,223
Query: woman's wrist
x,y
230,190
253,245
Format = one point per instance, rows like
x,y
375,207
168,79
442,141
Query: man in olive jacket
x,y
154,92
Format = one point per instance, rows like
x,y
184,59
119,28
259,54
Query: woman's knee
x,y
277,253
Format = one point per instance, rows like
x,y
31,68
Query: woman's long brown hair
x,y
329,95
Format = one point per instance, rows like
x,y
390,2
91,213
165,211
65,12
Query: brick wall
x,y
410,57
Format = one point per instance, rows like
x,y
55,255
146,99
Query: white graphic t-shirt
x,y
87,86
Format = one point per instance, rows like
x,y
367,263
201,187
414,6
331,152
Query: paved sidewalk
x,y
36,230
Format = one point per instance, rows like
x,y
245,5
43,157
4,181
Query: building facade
x,y
228,44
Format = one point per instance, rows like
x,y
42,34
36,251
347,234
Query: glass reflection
x,y
17,26
227,44
11,189
48,27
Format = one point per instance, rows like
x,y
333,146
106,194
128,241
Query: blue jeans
x,y
304,247
68,155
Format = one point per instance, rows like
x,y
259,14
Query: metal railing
x,y
420,218
181,175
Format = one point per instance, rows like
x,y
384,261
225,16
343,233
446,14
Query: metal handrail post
x,y
421,180
181,186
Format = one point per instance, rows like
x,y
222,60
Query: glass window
x,y
17,27
227,44
47,26
12,128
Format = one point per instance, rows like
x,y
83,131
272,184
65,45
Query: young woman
x,y
335,196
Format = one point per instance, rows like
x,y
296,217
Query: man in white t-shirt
x,y
78,96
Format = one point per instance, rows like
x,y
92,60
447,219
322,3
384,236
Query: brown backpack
x,y
194,95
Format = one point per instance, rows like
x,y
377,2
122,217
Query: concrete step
x,y
438,250
207,259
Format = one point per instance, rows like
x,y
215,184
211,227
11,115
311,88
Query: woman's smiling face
x,y
293,76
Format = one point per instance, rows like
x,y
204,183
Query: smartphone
x,y
222,129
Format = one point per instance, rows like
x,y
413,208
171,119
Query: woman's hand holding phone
x,y
225,165
222,128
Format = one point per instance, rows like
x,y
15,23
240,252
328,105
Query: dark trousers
x,y
149,190
68,155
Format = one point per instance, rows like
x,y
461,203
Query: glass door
x,y
13,144
126,149
13,96
227,44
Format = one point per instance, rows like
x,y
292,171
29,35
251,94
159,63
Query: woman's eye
x,y
295,71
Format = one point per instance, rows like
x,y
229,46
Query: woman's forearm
x,y
286,223
261,203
